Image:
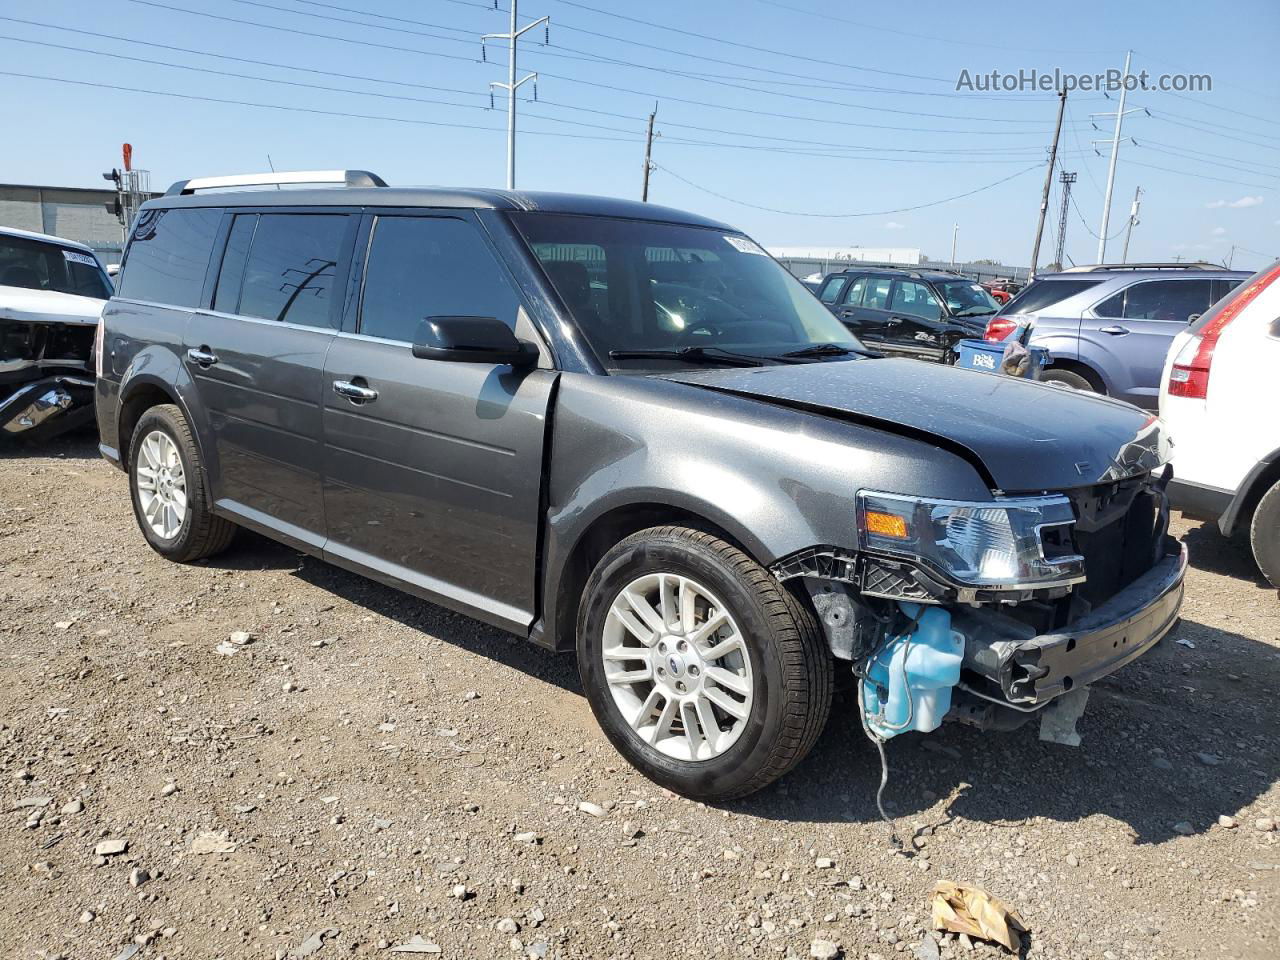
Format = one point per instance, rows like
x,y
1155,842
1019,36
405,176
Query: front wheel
x,y
702,670
1264,534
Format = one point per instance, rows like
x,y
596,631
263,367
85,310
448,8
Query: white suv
x,y
1219,397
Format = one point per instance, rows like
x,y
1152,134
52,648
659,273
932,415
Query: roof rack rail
x,y
347,178
1180,265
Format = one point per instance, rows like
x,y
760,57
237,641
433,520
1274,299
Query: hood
x,y
1021,436
47,306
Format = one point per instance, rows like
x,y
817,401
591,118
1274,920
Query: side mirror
x,y
472,340
1193,318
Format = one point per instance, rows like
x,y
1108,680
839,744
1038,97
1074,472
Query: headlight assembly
x,y
1012,543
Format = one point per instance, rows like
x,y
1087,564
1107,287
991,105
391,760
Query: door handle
x,y
354,392
894,321
202,356
1115,331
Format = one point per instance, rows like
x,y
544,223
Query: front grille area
x,y
1117,532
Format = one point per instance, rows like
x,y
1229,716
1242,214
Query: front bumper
x,y
53,402
1031,671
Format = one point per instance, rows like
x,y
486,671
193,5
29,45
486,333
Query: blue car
x,y
1108,327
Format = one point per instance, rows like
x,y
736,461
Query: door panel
x,y
1129,333
262,401
913,327
437,482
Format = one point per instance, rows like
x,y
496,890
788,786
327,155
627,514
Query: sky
x,y
773,115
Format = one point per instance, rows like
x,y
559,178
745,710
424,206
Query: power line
x,y
949,153
594,58
842,216
605,86
1093,233
1202,176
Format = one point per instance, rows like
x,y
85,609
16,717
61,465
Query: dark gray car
x,y
624,430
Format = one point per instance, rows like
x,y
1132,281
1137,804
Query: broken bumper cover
x,y
32,405
1034,671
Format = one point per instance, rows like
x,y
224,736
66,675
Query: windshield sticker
x,y
84,258
743,245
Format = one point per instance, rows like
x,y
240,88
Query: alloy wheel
x,y
162,484
677,667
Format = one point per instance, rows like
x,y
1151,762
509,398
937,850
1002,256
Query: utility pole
x,y
955,232
1231,256
648,151
1048,181
512,84
1066,179
1115,155
1133,222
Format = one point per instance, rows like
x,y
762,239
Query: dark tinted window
x,y
289,272
38,265
227,296
1170,300
168,256
423,267
831,292
1221,303
1045,293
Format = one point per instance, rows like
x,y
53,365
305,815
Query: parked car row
x,y
625,430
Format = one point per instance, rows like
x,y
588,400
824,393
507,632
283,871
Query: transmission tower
x,y
512,85
1066,179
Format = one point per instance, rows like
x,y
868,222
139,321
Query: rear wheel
x,y
702,670
1068,378
168,488
1264,534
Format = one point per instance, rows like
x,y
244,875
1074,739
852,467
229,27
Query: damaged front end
x,y
991,613
46,376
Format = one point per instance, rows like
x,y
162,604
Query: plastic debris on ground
x,y
964,908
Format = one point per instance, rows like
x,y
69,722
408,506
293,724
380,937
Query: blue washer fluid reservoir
x,y
893,705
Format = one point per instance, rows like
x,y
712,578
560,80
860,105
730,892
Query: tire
x,y
1264,534
782,665
198,533
1068,378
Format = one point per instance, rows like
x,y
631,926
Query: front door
x,y
433,469
914,327
257,359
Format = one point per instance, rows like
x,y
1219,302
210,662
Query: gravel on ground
x,y
265,756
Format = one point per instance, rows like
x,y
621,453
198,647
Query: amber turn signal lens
x,y
886,524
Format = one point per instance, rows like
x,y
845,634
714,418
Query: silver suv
x,y
1108,327
626,431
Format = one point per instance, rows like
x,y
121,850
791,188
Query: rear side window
x,y
168,256
1045,293
1173,301
423,267
289,272
831,292
1221,303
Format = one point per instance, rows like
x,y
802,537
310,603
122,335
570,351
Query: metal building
x,y
75,213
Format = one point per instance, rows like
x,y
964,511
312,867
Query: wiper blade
x,y
824,350
690,355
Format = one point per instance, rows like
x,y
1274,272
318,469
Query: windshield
x,y
636,286
966,298
1045,293
39,265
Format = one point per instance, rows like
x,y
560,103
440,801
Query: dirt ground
x,y
371,769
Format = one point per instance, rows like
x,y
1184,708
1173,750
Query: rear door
x,y
433,468
257,359
1131,331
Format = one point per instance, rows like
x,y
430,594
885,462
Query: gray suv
x,y
626,431
1108,327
